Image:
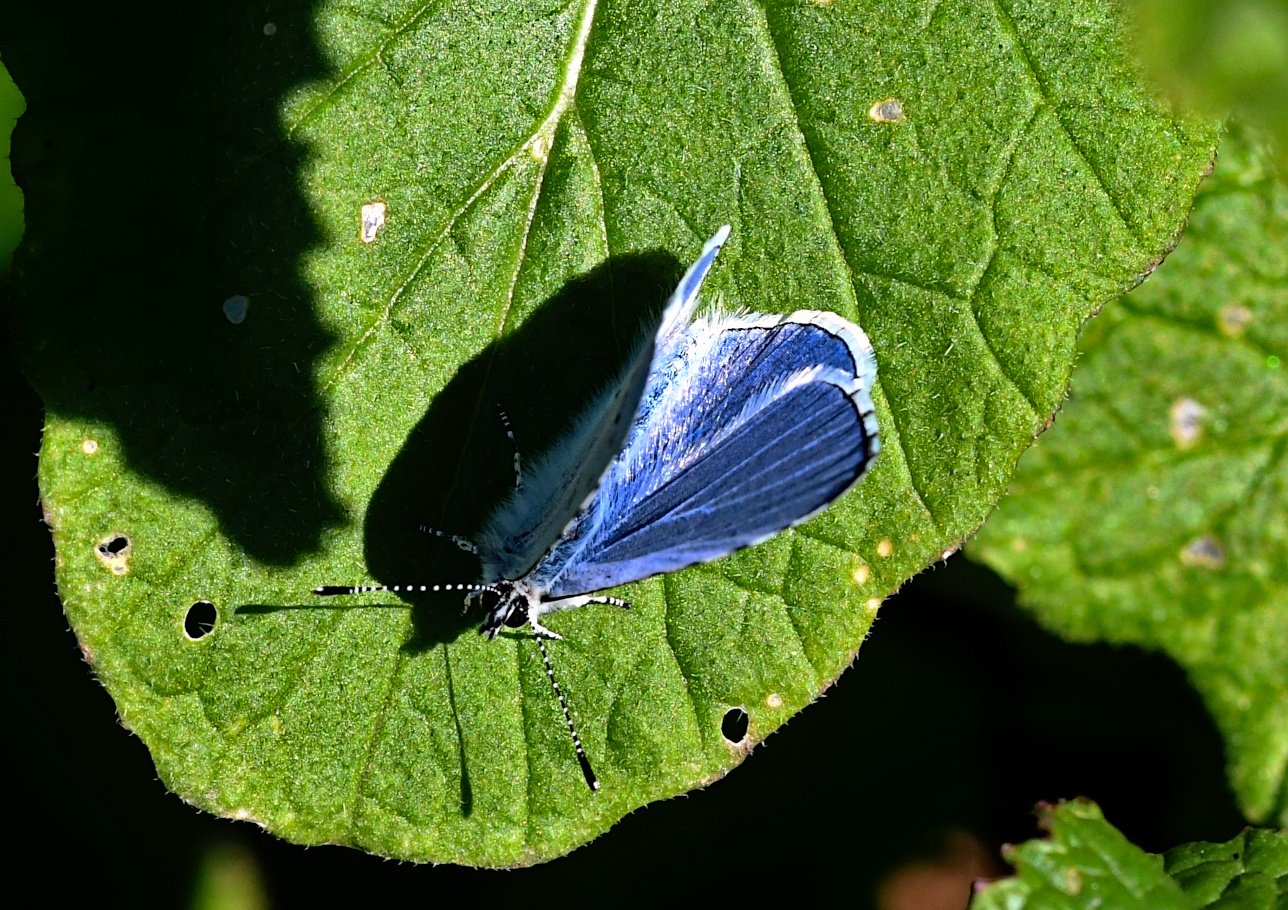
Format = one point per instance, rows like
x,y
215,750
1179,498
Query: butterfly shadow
x,y
457,465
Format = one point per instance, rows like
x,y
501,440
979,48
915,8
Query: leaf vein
x,y
1008,21
362,65
668,595
377,728
791,617
903,455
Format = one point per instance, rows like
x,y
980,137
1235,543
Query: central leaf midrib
x,y
546,131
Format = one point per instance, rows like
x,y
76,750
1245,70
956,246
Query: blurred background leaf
x,y
1250,870
1221,56
11,107
1155,511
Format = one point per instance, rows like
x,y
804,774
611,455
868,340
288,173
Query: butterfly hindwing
x,y
523,536
526,526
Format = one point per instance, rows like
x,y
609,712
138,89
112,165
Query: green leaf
x,y
1087,862
546,173
1250,871
1155,512
10,196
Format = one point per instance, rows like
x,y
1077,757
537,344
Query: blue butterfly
x,y
720,432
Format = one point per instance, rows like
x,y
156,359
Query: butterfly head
x,y
506,603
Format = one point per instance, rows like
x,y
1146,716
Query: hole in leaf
x,y
200,620
114,552
114,547
734,725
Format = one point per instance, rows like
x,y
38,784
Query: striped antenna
x,y
509,431
333,590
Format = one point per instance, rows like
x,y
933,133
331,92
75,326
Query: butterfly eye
x,y
516,618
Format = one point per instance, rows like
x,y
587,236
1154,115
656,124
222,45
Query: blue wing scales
x,y
726,452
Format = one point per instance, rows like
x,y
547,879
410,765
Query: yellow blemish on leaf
x,y
885,548
862,572
888,111
1205,552
89,446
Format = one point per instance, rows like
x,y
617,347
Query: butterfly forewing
x,y
719,465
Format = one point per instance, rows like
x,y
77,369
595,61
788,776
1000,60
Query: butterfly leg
x,y
537,609
541,631
509,432
459,541
471,597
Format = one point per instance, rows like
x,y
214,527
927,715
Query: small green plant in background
x,y
1086,862
1225,57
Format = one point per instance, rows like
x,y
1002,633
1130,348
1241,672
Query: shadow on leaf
x,y
175,184
456,466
